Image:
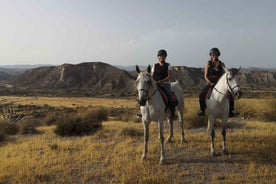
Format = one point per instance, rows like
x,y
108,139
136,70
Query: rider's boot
x,y
173,115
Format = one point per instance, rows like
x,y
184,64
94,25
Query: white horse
x,y
218,104
153,108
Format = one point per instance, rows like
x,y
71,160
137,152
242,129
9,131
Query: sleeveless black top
x,y
160,72
215,73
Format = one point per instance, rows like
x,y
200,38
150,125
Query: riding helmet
x,y
215,51
162,52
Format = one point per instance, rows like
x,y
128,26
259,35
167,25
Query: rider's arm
x,y
167,78
206,74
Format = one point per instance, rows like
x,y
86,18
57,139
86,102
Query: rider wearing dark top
x,y
212,73
161,73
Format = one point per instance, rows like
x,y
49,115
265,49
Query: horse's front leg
x,y
223,133
212,143
224,149
161,137
212,134
146,139
169,139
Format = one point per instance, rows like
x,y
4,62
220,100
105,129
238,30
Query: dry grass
x,y
69,102
112,155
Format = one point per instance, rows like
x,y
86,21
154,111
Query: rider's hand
x,y
158,83
212,84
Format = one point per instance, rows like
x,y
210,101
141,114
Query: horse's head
x,y
232,83
143,84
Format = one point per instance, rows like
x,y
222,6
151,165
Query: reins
x,y
147,92
231,89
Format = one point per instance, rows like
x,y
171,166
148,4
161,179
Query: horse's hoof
x,y
162,162
225,152
213,154
183,141
169,140
143,157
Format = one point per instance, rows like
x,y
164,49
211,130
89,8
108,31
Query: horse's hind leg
x,y
146,139
169,139
181,120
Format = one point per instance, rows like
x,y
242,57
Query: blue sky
x,y
128,32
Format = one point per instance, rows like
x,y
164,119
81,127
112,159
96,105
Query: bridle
x,y
147,91
231,89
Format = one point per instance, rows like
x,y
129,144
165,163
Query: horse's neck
x,y
155,94
220,90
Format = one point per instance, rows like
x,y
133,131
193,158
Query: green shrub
x,y
95,115
77,125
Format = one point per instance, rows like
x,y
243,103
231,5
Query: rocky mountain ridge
x,y
98,79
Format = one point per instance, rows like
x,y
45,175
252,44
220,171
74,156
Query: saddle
x,y
166,99
209,92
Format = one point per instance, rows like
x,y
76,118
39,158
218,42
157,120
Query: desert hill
x,y
93,78
98,78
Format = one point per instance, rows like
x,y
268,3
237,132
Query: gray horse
x,y
153,108
218,104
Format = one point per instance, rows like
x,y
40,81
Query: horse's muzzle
x,y
238,94
141,102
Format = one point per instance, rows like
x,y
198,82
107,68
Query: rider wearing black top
x,y
161,73
212,73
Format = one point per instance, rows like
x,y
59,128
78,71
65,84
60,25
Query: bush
x,y
264,110
131,132
77,125
3,136
28,127
193,121
8,127
50,119
269,113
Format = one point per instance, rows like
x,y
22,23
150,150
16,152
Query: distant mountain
x,y
23,67
98,78
8,72
90,78
130,67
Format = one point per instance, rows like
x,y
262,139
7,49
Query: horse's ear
x,y
137,69
225,69
239,69
149,69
